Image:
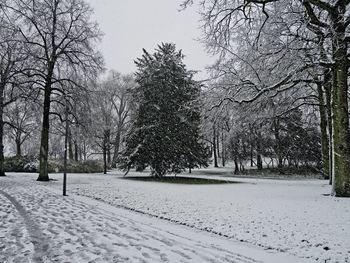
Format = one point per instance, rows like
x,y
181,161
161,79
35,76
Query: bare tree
x,y
223,18
11,66
121,99
58,34
102,121
20,117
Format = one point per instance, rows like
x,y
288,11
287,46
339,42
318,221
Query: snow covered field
x,y
40,225
294,217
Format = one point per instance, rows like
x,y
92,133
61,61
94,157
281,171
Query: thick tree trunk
x,y
341,133
2,158
214,148
324,132
18,147
44,144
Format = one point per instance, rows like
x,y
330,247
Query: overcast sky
x,y
130,25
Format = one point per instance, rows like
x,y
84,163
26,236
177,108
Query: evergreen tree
x,y
165,131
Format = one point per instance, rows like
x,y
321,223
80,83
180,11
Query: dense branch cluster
x,y
289,54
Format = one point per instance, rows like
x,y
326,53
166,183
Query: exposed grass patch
x,y
268,173
303,171
217,172
178,180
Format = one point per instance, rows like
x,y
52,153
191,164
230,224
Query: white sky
x,y
130,25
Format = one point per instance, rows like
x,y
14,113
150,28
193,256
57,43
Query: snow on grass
x,y
38,224
292,216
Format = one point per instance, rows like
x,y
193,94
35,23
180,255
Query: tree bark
x,y
278,146
84,150
18,147
108,143
236,165
2,158
116,148
223,149
218,142
328,93
104,150
258,153
341,134
251,154
324,132
76,151
214,148
70,145
44,144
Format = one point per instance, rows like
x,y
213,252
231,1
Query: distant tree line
x,y
292,54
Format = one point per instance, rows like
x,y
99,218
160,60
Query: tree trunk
x,y
108,144
218,143
84,150
104,149
236,165
258,151
241,165
223,148
278,146
328,92
324,133
244,150
116,148
44,144
76,151
214,148
70,146
18,146
2,158
341,134
251,154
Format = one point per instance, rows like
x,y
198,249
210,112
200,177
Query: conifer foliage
x,y
165,130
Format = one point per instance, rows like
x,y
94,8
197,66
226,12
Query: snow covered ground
x,y
40,225
293,218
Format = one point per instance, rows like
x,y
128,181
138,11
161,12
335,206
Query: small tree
x,y
165,132
20,118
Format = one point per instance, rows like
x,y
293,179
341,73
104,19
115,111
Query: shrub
x,y
20,164
89,166
31,165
